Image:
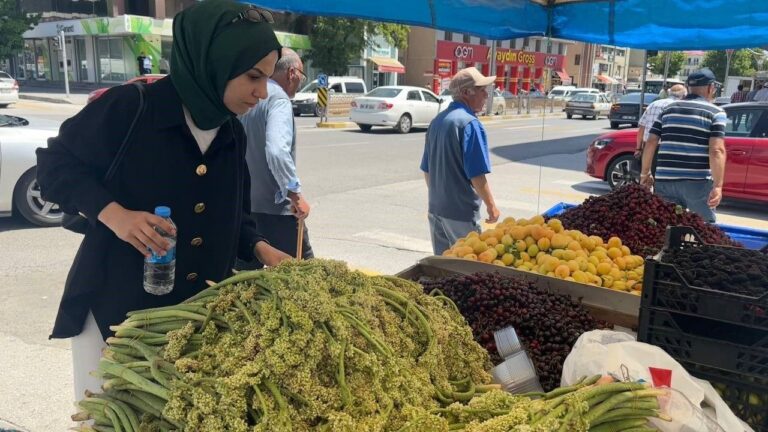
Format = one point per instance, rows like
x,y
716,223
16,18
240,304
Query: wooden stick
x,y
300,239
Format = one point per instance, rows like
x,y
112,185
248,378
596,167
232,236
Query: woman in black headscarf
x,y
186,152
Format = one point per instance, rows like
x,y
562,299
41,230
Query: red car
x,y
746,144
147,79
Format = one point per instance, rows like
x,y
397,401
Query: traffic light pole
x,y
64,58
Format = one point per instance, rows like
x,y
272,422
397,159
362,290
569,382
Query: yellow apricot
x,y
562,271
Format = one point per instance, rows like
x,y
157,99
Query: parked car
x,y
588,105
146,79
559,92
746,143
19,191
9,90
499,102
400,107
626,110
572,93
722,100
305,101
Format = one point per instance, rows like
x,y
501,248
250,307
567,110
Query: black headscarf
x,y
209,49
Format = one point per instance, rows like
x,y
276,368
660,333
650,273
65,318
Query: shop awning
x,y
564,77
605,79
387,64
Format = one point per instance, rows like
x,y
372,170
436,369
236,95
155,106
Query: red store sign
x,y
470,53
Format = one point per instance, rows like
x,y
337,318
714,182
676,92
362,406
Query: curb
x,y
335,125
45,99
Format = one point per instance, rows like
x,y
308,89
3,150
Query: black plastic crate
x,y
665,287
706,342
748,399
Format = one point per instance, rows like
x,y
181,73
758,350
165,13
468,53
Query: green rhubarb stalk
x,y
134,378
617,399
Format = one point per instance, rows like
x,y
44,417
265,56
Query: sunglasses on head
x,y
253,14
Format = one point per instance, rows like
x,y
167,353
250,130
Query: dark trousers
x,y
281,231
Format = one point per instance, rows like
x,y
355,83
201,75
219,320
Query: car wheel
x,y
317,110
619,172
30,205
364,127
404,124
569,115
614,125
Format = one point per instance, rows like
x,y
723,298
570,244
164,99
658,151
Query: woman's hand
x,y
137,228
268,255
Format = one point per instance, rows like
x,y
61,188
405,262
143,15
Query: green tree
x,y
743,63
676,60
13,23
337,42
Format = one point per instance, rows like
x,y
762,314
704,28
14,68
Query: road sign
x,y
322,80
322,97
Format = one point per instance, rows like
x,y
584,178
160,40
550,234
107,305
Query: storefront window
x,y
25,66
42,59
165,55
81,54
111,62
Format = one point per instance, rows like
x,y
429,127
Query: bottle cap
x,y
163,211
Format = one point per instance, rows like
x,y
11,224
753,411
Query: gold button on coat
x,y
201,170
199,207
191,276
197,241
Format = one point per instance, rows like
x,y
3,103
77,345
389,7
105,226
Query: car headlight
x,y
601,143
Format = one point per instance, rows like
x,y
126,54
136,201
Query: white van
x,y
305,101
558,92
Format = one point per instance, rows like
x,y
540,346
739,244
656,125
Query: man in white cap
x,y
456,161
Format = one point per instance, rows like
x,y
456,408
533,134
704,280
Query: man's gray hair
x,y
288,59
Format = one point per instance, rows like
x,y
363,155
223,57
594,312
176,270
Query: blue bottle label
x,y
158,259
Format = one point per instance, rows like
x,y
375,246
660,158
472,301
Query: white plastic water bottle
x,y
160,271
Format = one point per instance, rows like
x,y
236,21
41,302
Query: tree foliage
x,y
743,63
676,60
337,42
13,23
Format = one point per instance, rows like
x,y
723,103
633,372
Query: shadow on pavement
x,y
14,223
533,152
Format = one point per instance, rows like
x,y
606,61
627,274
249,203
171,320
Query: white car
x,y
19,191
9,90
588,105
305,101
400,107
499,102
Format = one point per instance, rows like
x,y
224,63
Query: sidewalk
x,y
342,122
54,95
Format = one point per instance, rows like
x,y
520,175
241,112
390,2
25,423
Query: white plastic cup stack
x,y
507,342
517,374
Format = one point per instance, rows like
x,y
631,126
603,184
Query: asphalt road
x,y
368,208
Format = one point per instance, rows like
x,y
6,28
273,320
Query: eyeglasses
x,y
253,14
303,75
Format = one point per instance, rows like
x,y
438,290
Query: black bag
x,y
78,222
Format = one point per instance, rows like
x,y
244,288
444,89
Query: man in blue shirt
x,y
456,161
276,199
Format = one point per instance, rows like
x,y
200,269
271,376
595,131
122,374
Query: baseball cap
x,y
468,78
700,78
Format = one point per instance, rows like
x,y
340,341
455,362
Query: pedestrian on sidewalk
x,y
740,95
456,161
690,135
188,153
142,61
277,202
651,114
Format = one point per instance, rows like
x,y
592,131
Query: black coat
x,y
208,195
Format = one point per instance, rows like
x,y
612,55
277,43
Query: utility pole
x,y
63,43
642,86
491,71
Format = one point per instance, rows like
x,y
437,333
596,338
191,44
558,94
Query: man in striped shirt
x,y
691,159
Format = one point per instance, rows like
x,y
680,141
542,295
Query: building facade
x,y
693,61
434,56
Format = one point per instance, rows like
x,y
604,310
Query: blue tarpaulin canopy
x,y
648,24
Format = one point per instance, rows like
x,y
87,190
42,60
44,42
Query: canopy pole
x,y
491,71
642,86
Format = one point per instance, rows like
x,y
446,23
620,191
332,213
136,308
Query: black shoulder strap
x,y
126,141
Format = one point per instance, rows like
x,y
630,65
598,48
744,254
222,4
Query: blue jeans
x,y
691,194
446,231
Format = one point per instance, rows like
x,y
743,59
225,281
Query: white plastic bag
x,y
606,351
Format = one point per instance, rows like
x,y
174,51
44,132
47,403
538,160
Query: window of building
x,y
549,47
498,44
467,38
526,43
577,60
538,45
513,44
448,36
111,63
561,49
42,53
483,41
